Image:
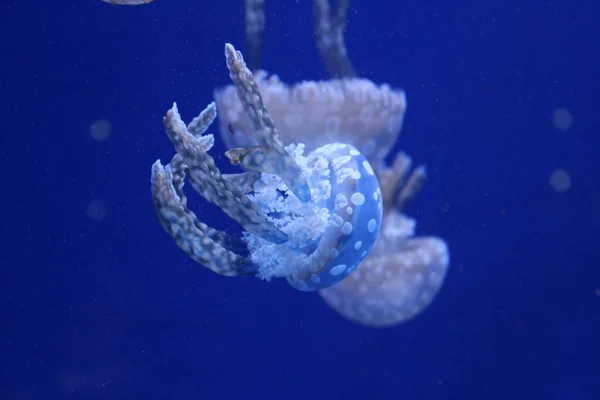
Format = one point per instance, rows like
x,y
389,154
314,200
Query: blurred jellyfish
x,y
560,180
101,129
128,2
562,119
97,210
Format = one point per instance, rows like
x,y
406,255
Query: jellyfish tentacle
x,y
177,170
411,187
328,28
329,36
399,184
243,181
265,131
254,16
204,245
216,189
199,125
391,178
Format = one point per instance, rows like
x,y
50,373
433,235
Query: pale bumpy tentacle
x,y
178,171
216,189
264,129
244,181
200,124
189,234
398,187
328,30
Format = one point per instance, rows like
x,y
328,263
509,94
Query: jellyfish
x,y
128,2
401,274
309,216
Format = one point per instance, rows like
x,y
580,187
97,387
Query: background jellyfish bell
x,y
353,111
398,280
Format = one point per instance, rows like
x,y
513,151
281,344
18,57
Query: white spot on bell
x,y
341,200
368,167
358,199
371,225
338,270
346,228
334,253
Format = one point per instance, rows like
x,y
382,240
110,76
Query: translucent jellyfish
x,y
128,2
303,215
401,274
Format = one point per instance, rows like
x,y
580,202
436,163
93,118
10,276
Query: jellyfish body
x,y
329,236
311,219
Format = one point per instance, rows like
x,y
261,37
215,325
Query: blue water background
x,y
107,307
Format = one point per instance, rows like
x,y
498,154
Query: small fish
x,y
230,128
128,2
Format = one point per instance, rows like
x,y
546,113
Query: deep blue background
x,y
112,309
